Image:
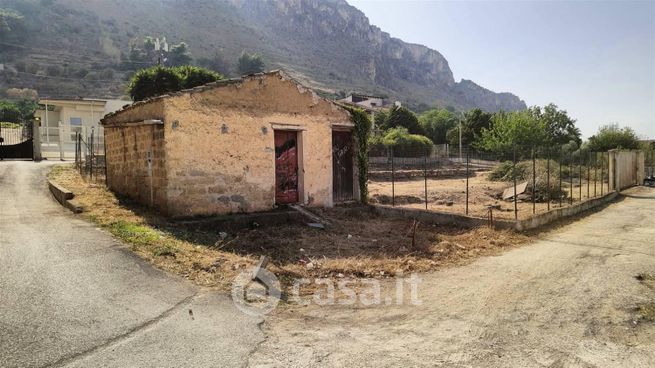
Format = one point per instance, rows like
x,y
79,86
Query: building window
x,y
76,121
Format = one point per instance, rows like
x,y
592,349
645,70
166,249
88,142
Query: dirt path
x,y
568,300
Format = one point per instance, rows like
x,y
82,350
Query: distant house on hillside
x,y
365,101
238,145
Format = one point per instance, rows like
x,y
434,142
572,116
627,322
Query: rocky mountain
x,y
327,44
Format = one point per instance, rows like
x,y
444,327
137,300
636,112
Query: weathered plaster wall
x,y
127,146
221,152
625,169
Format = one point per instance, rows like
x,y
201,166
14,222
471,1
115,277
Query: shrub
x,y
159,80
405,144
193,76
436,123
154,81
250,63
523,171
402,117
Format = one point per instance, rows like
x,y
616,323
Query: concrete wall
x,y
129,145
221,151
542,219
626,168
536,221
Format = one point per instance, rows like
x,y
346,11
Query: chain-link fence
x,y
515,184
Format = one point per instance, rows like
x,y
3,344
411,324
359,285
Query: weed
x,y
647,311
134,233
164,251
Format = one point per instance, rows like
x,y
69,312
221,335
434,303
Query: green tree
x,y
16,112
250,63
154,81
136,53
9,112
192,76
436,123
380,119
179,55
149,47
216,62
560,128
405,144
402,117
11,23
158,80
474,121
611,136
512,130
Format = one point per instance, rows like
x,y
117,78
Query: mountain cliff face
x,y
327,44
374,55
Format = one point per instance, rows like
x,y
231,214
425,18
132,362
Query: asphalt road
x,y
72,296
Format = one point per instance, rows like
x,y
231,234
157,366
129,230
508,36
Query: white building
x,y
365,101
62,119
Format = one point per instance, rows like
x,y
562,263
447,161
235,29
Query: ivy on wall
x,y
362,133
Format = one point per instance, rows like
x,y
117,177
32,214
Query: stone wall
x,y
221,152
129,144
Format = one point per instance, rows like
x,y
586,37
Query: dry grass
x,y
358,243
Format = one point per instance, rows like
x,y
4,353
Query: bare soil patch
x,y
357,243
449,195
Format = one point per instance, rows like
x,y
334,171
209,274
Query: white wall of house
x,y
69,117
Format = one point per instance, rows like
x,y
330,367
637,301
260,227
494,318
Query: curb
x,y
64,197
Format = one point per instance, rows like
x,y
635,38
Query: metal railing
x,y
528,179
90,157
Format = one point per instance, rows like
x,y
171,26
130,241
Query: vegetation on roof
x,y
159,80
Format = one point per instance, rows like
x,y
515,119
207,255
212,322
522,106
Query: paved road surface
x,y
70,295
568,300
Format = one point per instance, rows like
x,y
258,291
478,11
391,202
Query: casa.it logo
x,y
256,295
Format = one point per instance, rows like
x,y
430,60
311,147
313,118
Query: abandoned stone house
x,y
237,145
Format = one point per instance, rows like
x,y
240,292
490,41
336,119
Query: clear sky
x,y
595,59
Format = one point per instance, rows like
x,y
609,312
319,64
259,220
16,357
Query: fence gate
x,y
16,140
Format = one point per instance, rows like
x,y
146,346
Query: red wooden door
x,y
286,167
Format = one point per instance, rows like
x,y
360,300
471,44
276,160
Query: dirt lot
x,y
580,296
449,195
358,243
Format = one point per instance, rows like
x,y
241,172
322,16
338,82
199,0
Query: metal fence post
x,y
588,175
92,154
425,176
393,185
467,180
104,148
571,177
534,182
561,153
548,176
580,174
516,213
